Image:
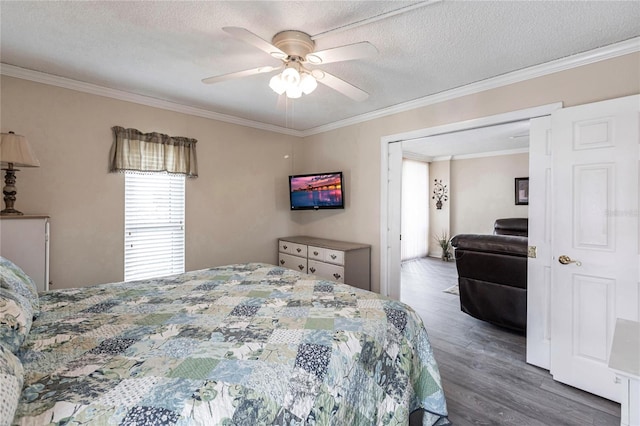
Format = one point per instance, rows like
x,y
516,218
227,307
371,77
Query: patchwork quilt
x,y
249,344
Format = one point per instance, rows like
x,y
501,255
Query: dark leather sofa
x,y
492,273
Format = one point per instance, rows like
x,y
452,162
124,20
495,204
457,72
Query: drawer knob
x,y
284,247
298,249
312,269
336,276
301,267
315,253
333,256
282,261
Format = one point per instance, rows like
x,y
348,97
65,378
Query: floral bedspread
x,y
248,344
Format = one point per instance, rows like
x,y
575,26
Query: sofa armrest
x,y
499,244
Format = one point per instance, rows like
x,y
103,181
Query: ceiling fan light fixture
x,y
277,85
295,49
290,76
307,83
294,92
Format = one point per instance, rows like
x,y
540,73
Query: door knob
x,y
565,260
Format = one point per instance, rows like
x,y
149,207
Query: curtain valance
x,y
153,152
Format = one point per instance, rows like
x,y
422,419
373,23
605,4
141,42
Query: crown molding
x,y
409,155
454,157
596,55
442,158
580,59
67,83
492,154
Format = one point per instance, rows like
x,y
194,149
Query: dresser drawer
x,y
326,255
334,256
292,262
292,248
325,270
316,253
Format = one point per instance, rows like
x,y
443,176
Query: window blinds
x,y
154,225
415,209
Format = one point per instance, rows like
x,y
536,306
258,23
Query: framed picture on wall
x,y
522,191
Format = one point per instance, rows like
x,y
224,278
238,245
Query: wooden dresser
x,y
341,261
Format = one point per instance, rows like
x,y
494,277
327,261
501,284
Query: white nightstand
x,y
625,361
24,240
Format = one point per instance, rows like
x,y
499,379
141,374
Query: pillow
x,y
14,279
11,381
16,317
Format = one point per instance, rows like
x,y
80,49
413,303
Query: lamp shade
x,y
277,85
15,149
308,84
294,92
290,76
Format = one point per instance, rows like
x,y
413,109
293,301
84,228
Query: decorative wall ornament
x,y
439,193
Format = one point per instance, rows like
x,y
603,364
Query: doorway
x,y
391,184
470,184
592,152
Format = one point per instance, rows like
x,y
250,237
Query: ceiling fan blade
x,y
249,37
343,53
239,74
342,86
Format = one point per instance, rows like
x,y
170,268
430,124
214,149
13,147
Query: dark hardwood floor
x,y
484,374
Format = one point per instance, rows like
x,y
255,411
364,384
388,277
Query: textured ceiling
x,y
164,49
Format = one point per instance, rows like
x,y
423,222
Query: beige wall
x,y
238,206
235,209
482,190
356,149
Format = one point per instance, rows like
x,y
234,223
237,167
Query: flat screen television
x,y
316,191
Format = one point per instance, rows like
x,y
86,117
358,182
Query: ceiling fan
x,y
296,51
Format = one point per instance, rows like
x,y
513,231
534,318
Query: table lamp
x,y
14,151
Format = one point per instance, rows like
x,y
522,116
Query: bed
x,y
246,344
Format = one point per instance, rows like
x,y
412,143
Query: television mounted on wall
x,y
316,191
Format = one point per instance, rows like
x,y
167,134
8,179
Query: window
x,y
153,225
154,202
415,209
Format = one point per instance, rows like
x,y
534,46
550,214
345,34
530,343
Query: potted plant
x,y
445,244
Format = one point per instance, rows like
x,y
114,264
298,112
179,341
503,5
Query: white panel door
x,y
394,220
539,263
595,238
